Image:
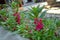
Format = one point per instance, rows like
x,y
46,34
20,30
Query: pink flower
x,y
39,24
35,20
40,20
17,15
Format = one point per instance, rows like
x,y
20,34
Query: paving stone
x,y
5,35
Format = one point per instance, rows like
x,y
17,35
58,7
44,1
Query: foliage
x,y
3,12
13,4
9,23
36,29
47,33
36,12
58,23
3,15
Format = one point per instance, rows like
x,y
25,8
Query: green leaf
x,y
3,12
14,5
35,11
42,14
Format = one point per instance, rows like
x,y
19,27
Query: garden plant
x,y
31,24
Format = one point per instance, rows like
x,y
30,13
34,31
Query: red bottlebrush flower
x,y
17,15
18,19
39,24
35,20
40,19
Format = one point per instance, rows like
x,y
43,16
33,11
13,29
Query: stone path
x,y
5,35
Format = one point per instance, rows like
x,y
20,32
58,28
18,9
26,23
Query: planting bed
x,y
31,24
